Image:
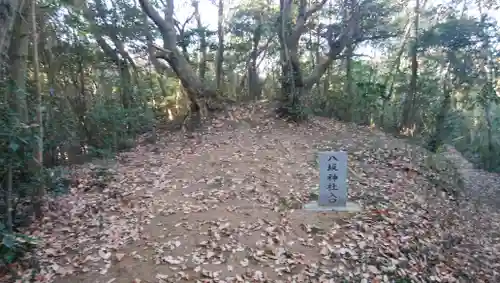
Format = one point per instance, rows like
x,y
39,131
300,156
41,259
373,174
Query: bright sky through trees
x,y
208,11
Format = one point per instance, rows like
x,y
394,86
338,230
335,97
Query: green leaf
x,y
26,238
9,256
22,140
9,241
13,146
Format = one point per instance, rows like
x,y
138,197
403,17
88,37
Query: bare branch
x,y
336,47
182,28
303,16
166,25
163,50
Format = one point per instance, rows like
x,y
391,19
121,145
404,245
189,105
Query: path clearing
x,y
225,208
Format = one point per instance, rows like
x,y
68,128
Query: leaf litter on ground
x,y
224,206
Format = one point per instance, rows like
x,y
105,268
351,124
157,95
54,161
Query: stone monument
x,y
332,184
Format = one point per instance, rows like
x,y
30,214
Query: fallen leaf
x,y
119,256
244,262
161,276
104,254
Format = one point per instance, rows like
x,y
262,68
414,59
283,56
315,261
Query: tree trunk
x,y
38,131
254,88
395,69
436,139
160,68
8,17
125,84
202,60
393,72
118,55
19,62
293,84
488,90
348,63
243,81
490,157
8,200
220,48
199,94
409,104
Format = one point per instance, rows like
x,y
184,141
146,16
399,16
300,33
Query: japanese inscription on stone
x,y
332,178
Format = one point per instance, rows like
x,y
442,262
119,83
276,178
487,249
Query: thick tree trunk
x,y
294,85
292,89
291,81
19,62
160,68
199,94
8,17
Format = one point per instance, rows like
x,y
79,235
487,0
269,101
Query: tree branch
x,y
166,26
182,28
349,35
302,18
381,36
164,52
336,47
121,49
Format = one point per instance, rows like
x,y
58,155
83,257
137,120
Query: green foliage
x,y
453,48
454,34
113,127
57,180
362,106
13,245
103,126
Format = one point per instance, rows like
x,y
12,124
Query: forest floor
x,y
225,207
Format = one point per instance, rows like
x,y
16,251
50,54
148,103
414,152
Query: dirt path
x,y
226,208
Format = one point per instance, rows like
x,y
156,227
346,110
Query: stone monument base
x,y
349,207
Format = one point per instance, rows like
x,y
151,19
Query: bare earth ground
x,y
225,207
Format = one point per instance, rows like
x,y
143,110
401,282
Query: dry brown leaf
x,y
104,254
161,276
119,256
244,262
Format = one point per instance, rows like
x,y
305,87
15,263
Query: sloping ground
x,y
225,207
480,186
